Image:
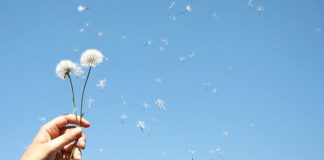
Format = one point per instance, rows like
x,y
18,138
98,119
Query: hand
x,y
55,140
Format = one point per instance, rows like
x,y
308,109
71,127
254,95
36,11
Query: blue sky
x,y
267,69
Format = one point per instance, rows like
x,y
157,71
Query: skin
x,y
55,140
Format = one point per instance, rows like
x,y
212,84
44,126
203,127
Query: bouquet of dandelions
x,y
66,68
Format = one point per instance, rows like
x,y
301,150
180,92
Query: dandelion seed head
x,y
91,58
64,67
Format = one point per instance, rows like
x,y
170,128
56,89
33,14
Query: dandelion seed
x,y
101,84
87,24
192,55
214,15
165,41
123,100
250,3
145,105
141,125
123,37
226,135
172,5
173,18
182,58
158,80
42,119
90,101
214,91
82,8
188,8
78,71
101,150
91,58
64,67
259,9
100,34
193,153
161,49
123,118
219,153
81,30
160,104
148,43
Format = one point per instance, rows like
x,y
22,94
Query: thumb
x,y
65,138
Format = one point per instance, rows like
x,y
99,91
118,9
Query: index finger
x,y
64,120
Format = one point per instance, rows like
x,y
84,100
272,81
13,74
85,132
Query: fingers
x,y
80,144
65,139
63,120
77,154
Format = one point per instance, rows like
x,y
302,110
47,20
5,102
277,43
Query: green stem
x,y
84,87
73,96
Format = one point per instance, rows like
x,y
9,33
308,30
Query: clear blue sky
x,y
268,70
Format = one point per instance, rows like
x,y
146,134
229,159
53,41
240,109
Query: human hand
x,y
55,140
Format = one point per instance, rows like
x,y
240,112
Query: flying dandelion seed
x,y
123,100
158,80
42,119
90,101
145,105
226,135
192,54
161,49
219,153
141,125
182,58
101,84
100,34
193,153
164,41
250,4
173,18
259,9
82,8
81,30
87,24
188,8
214,15
214,91
160,104
172,5
148,43
123,37
123,117
78,71
76,49
101,150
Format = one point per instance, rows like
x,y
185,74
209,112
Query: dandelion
x,y
91,57
141,125
64,68
101,84
82,8
160,104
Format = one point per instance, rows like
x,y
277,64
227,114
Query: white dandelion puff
x,y
160,104
64,67
101,84
141,125
82,8
91,57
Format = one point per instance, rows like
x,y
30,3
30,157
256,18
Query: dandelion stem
x,y
73,97
84,87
